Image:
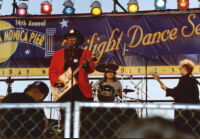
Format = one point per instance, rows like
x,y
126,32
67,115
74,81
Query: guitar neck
x,y
80,66
77,70
161,83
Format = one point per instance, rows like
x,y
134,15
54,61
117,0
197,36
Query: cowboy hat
x,y
75,33
106,67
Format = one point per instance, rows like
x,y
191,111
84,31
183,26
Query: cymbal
x,y
106,67
128,90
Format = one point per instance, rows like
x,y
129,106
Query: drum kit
x,y
106,93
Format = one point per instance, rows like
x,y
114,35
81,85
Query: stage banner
x,y
158,40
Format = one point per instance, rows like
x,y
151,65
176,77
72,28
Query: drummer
x,y
109,78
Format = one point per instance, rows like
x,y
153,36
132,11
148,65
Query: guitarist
x,y
72,57
185,92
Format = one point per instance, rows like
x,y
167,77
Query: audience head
x,y
151,128
37,90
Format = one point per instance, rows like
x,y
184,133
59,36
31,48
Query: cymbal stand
x,y
142,98
95,94
125,94
59,128
142,90
122,78
139,90
138,94
136,86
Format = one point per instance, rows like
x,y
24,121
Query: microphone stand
x,y
146,58
71,95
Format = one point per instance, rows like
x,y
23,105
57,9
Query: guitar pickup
x,y
59,85
66,80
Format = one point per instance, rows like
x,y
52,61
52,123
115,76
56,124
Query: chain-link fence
x,y
95,120
105,120
29,120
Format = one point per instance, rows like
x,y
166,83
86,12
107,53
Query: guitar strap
x,y
69,62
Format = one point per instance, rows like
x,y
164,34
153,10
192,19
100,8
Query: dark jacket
x,y
186,91
21,122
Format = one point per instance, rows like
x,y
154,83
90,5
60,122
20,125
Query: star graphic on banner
x,y
63,23
27,52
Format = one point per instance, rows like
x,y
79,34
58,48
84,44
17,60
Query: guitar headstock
x,y
155,75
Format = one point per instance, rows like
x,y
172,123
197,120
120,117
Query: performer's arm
x,y
176,91
53,69
89,66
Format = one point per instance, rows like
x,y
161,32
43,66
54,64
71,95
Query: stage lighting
x,y
68,7
1,3
46,7
160,4
199,2
96,8
183,4
133,6
22,9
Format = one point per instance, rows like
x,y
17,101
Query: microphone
x,y
138,84
124,54
131,76
75,43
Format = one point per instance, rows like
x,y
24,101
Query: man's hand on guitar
x,y
156,77
84,62
63,82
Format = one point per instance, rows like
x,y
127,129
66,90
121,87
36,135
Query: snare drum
x,y
106,93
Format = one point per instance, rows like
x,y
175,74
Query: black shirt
x,y
18,98
21,122
186,91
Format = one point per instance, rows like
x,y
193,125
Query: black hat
x,y
75,33
42,87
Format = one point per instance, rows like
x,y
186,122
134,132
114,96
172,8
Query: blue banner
x,y
130,41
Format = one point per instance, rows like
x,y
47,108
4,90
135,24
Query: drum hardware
x,y
139,91
138,100
128,90
106,67
95,94
54,126
124,93
106,93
